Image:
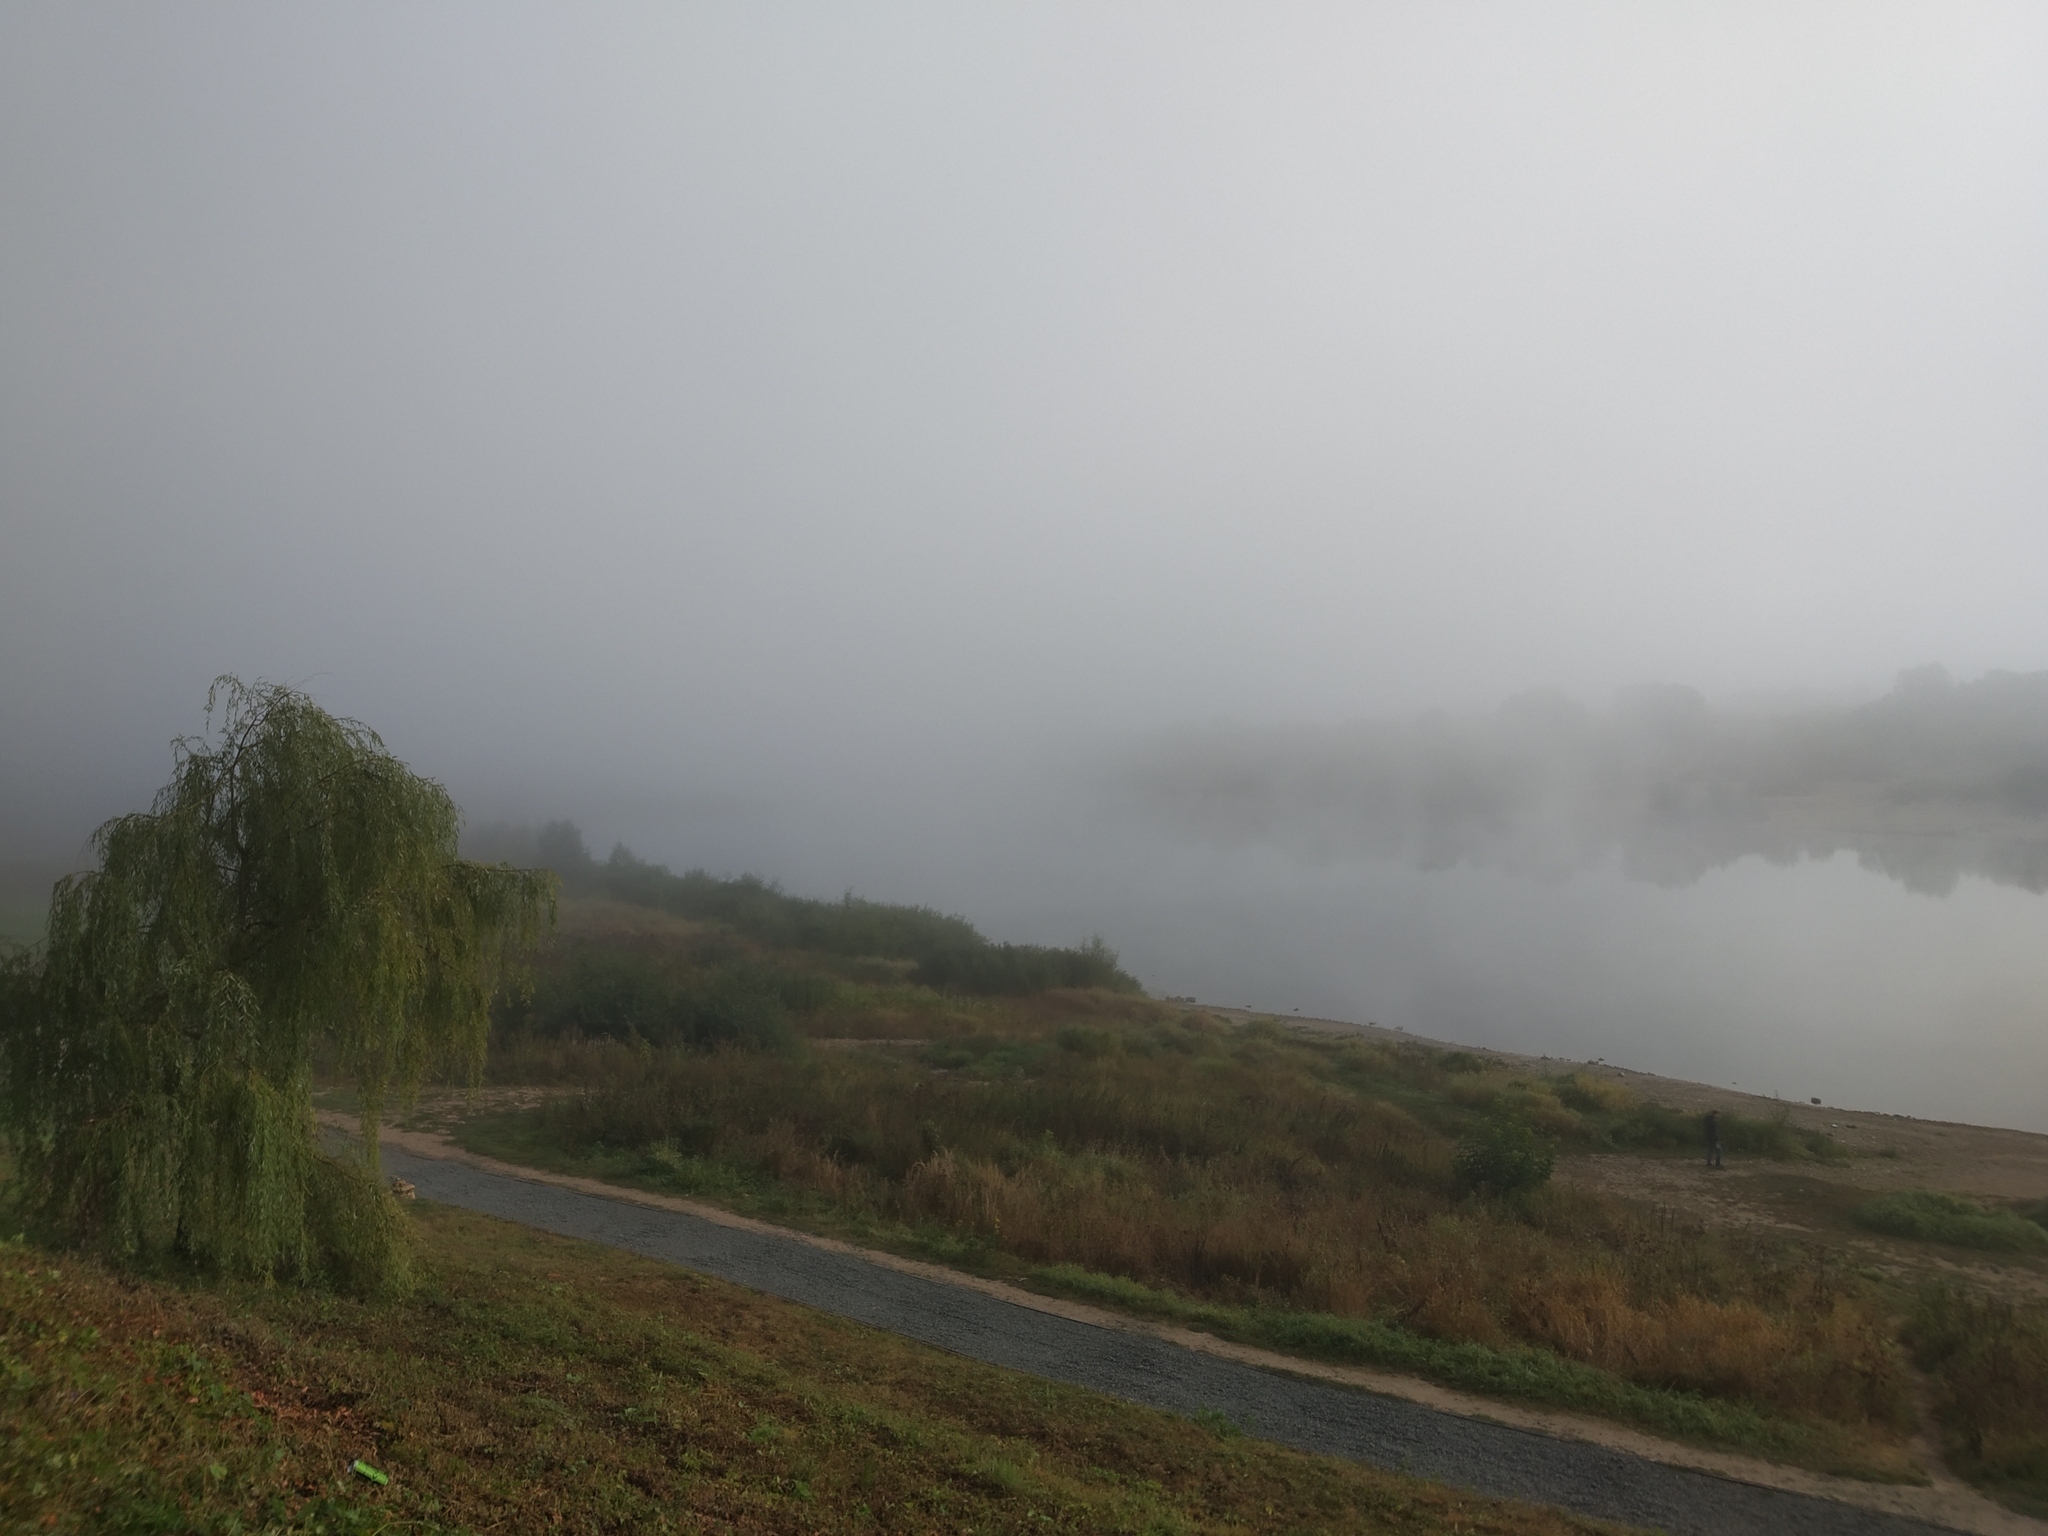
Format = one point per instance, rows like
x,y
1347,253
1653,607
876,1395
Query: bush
x,y
1592,1095
1657,1125
1503,1155
601,995
1989,1361
948,951
1018,970
360,1235
1933,1218
1777,1138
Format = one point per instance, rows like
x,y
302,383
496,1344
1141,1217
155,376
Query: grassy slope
x,y
1528,1375
535,1383
1245,1182
1594,1304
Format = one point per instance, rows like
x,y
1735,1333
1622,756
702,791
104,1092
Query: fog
x,y
1099,469
1927,784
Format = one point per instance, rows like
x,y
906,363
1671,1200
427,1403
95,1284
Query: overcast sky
x,y
704,401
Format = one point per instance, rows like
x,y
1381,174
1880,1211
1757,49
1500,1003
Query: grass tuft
x,y
1936,1218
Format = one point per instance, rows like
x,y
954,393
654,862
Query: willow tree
x,y
294,891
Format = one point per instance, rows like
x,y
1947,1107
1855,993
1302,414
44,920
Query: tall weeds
x,y
1255,1168
1989,1362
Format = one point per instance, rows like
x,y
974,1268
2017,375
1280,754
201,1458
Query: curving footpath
x,y
1312,1415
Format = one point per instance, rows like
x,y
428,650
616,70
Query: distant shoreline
x,y
1999,1162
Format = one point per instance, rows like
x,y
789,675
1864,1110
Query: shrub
x,y
733,1011
1776,1138
1083,1041
606,995
1989,1361
1503,1155
1933,1218
1018,970
360,1236
1592,1095
1543,1113
1472,1093
1656,1125
948,951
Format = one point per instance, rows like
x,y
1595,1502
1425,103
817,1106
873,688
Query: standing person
x,y
1713,1138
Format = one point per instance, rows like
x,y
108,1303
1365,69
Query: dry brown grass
x,y
1257,1167
1799,1346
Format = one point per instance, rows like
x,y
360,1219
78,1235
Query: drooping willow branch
x,y
293,887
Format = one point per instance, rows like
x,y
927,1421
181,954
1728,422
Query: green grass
x,y
533,1383
1936,1218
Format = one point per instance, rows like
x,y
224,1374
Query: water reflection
x,y
1820,979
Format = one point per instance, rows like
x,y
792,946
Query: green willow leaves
x,y
294,888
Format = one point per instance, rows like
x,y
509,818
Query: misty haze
x,y
1805,899
1928,784
986,552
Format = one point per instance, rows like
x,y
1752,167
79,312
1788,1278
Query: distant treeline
x,y
947,952
1933,781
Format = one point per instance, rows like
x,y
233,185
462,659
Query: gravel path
x,y
1313,1416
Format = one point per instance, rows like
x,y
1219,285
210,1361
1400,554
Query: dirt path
x,y
1582,1464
